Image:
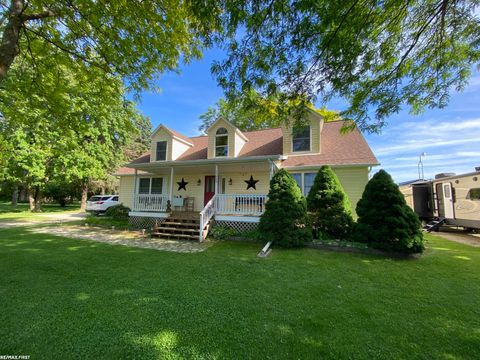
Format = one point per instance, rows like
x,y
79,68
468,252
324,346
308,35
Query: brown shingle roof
x,y
337,148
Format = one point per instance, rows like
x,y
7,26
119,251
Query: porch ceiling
x,y
153,168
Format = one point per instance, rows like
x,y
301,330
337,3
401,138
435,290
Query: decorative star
x,y
182,185
251,183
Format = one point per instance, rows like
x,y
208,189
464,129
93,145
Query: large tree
x,y
63,123
254,112
135,39
378,55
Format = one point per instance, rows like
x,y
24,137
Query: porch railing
x,y
205,216
145,202
240,204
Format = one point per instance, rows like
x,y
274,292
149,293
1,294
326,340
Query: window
x,y
161,151
304,181
474,194
298,178
157,184
150,186
115,198
144,187
308,182
301,139
221,142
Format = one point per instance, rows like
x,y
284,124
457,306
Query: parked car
x,y
100,203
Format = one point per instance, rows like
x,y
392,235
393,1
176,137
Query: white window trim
x,y
227,135
166,150
302,180
150,184
303,151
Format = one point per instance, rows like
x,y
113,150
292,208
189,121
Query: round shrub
x,y
119,212
329,204
385,221
285,220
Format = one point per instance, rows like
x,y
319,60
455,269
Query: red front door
x,y
209,189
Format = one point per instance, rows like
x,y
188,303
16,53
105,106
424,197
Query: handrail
x,y
206,215
241,204
150,202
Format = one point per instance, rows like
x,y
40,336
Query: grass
x,y
63,298
21,211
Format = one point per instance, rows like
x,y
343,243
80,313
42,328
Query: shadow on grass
x,y
77,298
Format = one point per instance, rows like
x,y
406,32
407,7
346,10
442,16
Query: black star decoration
x,y
182,185
251,183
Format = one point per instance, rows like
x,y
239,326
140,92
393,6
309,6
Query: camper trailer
x,y
452,199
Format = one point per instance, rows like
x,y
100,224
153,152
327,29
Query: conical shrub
x,y
385,221
285,220
329,205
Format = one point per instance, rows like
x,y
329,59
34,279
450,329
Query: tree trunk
x,y
23,194
38,199
31,201
83,201
15,196
9,47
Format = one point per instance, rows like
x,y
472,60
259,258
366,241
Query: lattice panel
x,y
141,222
238,225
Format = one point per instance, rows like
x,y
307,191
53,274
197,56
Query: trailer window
x,y
474,194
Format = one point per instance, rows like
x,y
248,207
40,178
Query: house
x,y
224,175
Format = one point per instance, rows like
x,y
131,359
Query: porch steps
x,y
179,226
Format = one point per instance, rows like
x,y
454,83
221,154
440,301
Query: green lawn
x,y
63,298
7,211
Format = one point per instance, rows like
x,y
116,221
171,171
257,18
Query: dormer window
x,y
161,151
221,142
301,139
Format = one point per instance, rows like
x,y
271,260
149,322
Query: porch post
x,y
271,169
135,180
216,179
170,195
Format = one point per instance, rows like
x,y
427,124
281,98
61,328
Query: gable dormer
x,y
224,139
306,139
168,144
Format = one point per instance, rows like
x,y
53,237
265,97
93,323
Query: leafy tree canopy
x,y
70,123
378,55
254,112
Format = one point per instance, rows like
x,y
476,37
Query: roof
x,y
174,133
337,149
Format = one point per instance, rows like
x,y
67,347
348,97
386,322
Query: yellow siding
x,y
126,190
235,142
238,185
316,124
353,180
161,135
178,148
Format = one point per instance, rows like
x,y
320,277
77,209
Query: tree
x,y
329,204
378,55
285,219
137,40
385,221
254,112
70,124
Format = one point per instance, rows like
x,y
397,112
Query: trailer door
x,y
448,201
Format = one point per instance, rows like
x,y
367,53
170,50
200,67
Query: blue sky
x,y
450,137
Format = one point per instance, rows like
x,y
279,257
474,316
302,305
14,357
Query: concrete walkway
x,y
127,238
459,236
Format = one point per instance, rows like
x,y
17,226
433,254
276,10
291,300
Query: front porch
x,y
227,192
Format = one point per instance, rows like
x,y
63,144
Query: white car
x,y
100,203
